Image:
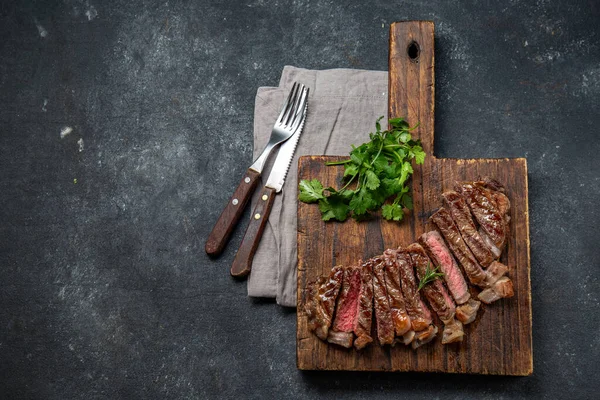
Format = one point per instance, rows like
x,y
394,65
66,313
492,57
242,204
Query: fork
x,y
286,125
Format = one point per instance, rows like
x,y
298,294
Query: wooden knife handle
x,y
242,264
231,214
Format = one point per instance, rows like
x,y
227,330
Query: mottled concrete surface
x,y
106,291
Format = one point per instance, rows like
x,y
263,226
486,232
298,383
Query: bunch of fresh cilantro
x,y
380,170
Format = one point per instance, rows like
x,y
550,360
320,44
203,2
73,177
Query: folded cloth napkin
x,y
343,105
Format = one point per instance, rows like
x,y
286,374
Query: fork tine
x,y
294,109
287,103
300,113
290,106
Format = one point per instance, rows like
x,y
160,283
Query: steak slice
x,y
424,336
464,222
498,194
435,292
443,220
492,184
453,331
483,205
311,302
437,295
364,313
343,339
418,312
503,288
495,271
400,318
435,247
467,312
321,311
346,309
383,313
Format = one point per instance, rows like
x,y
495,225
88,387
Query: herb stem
x,y
378,153
349,182
338,162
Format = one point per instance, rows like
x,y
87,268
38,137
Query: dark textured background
x,y
105,288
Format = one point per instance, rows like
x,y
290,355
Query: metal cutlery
x,y
242,264
287,124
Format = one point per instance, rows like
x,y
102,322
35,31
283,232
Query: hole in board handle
x,y
413,51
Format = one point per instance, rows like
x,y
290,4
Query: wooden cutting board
x,y
499,341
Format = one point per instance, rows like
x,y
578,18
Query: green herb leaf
x,y
310,191
392,212
334,206
419,154
372,181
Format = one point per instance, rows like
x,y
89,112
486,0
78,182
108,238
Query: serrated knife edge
x,y
284,158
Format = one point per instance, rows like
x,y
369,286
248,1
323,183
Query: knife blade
x,y
242,264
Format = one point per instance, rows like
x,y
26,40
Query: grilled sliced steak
x,y
418,312
498,194
492,184
406,339
495,271
400,318
464,222
343,339
453,331
438,297
435,292
321,313
364,313
443,220
424,336
311,302
467,312
503,288
483,205
346,308
441,257
383,313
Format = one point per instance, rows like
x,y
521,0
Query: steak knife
x,y
242,264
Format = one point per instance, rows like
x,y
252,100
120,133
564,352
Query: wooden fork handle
x,y
242,264
231,214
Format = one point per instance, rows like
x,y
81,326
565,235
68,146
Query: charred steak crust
x,y
311,301
420,317
383,314
483,206
443,220
400,318
364,313
461,215
441,257
324,302
435,292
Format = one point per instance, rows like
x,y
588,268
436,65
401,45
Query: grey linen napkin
x,y
342,108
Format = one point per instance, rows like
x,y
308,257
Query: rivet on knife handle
x,y
242,264
231,214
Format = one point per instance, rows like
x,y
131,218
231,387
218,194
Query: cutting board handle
x,y
411,77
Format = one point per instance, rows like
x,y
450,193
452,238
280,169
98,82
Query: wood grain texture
x,y
231,213
499,340
242,263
